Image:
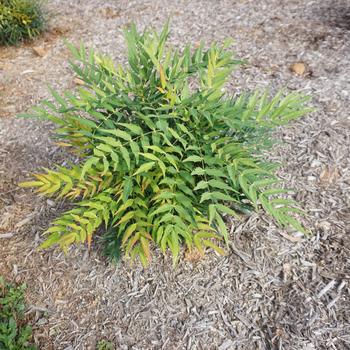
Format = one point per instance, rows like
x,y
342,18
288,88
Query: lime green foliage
x,y
105,345
165,154
20,20
13,334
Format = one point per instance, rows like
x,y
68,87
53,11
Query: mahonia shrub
x,y
20,20
165,153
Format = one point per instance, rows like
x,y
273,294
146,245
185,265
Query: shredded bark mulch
x,y
274,289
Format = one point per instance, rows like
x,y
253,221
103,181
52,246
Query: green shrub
x,y
20,20
165,154
13,334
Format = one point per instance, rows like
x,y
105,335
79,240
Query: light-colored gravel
x,y
273,290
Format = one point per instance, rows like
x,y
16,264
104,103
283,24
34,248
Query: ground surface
x,y
273,290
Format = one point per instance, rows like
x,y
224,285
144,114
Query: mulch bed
x,y
273,290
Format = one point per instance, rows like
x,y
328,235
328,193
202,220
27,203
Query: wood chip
x,y
78,81
40,51
329,175
24,222
293,239
7,235
226,345
324,290
298,68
